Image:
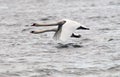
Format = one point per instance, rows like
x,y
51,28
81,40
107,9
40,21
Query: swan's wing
x,y
58,33
59,30
67,29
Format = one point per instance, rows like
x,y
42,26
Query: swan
x,y
64,31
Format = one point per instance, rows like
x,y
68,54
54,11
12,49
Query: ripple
x,y
69,45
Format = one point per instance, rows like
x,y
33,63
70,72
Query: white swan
x,y
65,30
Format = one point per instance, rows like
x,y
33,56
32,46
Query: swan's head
x,y
82,28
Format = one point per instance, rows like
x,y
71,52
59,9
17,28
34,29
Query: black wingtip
x,y
33,24
32,31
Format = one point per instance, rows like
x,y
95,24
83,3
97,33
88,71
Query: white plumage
x,y
65,29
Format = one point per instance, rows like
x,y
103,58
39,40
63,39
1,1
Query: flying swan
x,y
64,31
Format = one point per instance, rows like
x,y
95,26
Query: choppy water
x,y
95,54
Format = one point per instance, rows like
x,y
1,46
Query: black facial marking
x,y
82,28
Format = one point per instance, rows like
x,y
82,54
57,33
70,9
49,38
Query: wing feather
x,y
58,33
68,28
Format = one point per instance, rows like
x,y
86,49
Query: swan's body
x,y
65,29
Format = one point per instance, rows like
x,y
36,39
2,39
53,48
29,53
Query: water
x,y
95,54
